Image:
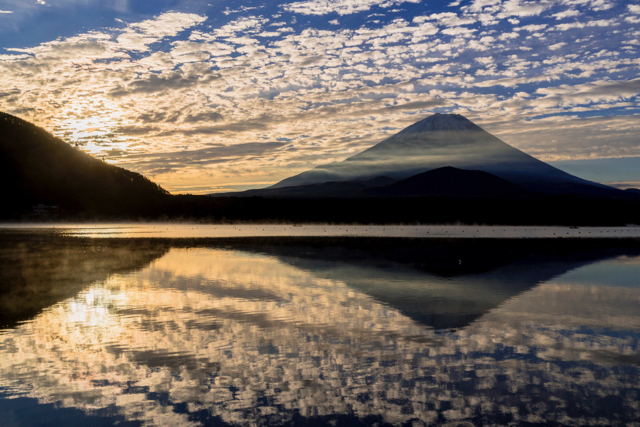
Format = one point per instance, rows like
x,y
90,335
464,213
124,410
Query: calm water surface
x,y
181,230
106,332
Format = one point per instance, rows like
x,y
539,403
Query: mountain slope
x,y
448,182
442,182
38,168
449,140
332,189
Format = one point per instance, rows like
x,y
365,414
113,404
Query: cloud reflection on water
x,y
245,337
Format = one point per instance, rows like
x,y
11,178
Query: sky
x,y
205,96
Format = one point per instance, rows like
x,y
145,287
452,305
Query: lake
x,y
181,230
124,329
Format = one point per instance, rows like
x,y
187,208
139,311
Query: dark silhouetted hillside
x,y
38,168
332,189
448,182
442,182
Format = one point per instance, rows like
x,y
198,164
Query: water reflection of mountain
x,y
37,271
444,284
229,333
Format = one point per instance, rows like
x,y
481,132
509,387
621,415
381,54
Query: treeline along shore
x,y
192,208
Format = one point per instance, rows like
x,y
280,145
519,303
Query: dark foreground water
x,y
338,331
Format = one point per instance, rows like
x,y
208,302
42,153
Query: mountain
x,y
443,140
333,189
442,182
37,168
448,182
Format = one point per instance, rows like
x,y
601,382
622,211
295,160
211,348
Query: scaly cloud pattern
x,y
204,100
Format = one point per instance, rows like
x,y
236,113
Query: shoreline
x,y
212,231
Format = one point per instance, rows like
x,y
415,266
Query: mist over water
x,y
325,331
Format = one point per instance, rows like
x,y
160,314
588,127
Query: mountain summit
x,y
447,140
438,122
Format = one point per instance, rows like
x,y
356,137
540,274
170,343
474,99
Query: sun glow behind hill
x,y
91,131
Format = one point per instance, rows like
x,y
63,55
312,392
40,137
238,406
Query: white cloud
x,y
557,46
596,23
480,5
140,35
341,7
600,91
601,5
448,19
534,28
5,11
228,11
269,34
566,14
634,8
523,8
509,36
505,9
486,60
455,31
